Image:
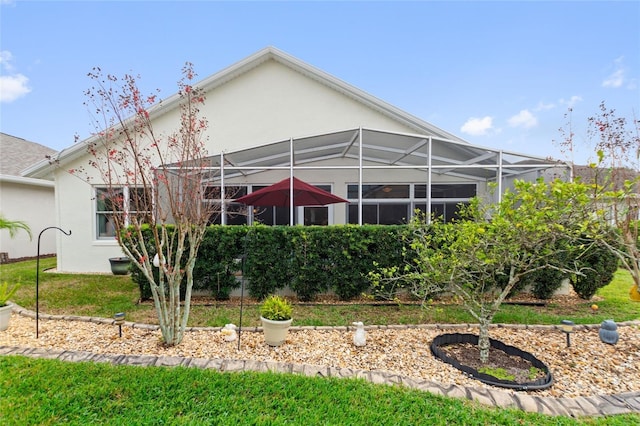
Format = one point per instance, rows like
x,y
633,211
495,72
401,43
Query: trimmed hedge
x,y
310,260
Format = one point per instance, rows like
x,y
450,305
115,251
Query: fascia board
x,y
27,181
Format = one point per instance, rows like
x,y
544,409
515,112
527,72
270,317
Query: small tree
x,y
483,256
614,181
153,180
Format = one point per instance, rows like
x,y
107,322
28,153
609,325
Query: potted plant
x,y
275,314
5,306
120,265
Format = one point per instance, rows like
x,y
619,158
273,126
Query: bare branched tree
x,y
152,184
615,181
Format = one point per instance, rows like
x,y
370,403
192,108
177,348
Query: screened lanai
x,y
385,175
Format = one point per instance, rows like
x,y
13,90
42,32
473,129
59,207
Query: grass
x,y
48,392
104,295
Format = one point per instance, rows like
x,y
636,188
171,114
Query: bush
x,y
268,259
545,282
311,263
310,260
598,266
276,308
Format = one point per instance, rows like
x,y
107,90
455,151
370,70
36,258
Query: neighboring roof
x,y
43,169
606,176
16,154
386,149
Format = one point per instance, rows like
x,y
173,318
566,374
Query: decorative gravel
x,y
587,368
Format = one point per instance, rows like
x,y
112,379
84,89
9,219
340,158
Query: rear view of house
x,y
273,116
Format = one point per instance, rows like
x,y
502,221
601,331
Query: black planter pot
x,y
120,265
447,339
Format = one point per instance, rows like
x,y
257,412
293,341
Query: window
x,y
394,204
271,215
317,215
122,204
235,213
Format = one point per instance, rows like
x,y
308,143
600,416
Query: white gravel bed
x,y
587,368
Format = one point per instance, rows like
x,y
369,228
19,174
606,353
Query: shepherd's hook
x,y
38,276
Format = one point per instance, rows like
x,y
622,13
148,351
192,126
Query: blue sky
x,y
498,74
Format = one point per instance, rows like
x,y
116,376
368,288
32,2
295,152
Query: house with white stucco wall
x,y
273,116
25,199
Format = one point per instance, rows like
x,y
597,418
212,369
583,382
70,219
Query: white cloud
x,y
14,85
523,119
543,107
477,126
5,60
617,78
571,102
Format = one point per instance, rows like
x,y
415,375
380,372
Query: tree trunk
x,y
483,340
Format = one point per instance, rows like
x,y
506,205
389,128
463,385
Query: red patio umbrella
x,y
278,195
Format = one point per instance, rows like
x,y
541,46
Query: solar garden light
x,y
119,319
567,327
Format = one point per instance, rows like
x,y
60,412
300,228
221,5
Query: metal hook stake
x,y
38,277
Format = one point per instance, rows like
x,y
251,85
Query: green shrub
x,y
268,259
598,266
276,308
311,265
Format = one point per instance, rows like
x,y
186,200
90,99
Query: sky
x,y
498,74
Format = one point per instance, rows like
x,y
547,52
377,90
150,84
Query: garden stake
x,y
38,275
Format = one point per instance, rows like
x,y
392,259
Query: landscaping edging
x,y
451,338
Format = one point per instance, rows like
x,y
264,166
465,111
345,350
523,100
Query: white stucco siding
x,y
273,102
30,203
82,251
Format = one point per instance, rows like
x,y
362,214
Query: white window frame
x,y
96,213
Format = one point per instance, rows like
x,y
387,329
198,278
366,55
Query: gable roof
x,y
17,154
43,168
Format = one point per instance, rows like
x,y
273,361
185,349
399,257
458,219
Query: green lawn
x,y
48,392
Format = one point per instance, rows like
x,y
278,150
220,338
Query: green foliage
x,y
7,292
598,266
484,255
219,259
498,373
542,283
268,259
13,226
310,260
534,372
276,308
